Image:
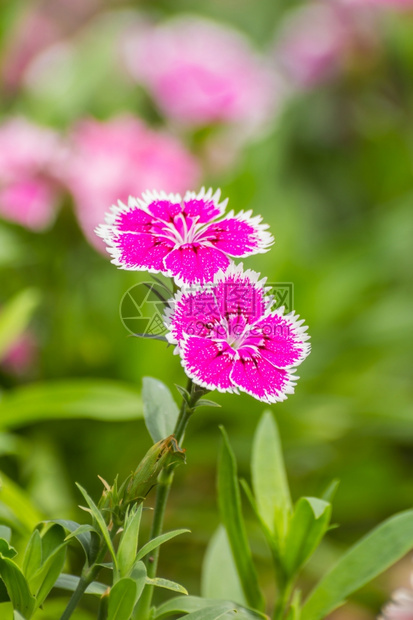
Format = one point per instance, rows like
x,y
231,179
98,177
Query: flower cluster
x,y
222,320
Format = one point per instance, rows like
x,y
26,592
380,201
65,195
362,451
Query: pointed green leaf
x,y
19,502
330,491
307,527
70,582
122,598
219,578
97,515
272,540
83,533
231,513
76,398
159,409
269,478
215,612
373,554
52,539
204,402
189,604
139,575
15,316
48,573
159,582
33,555
129,541
294,612
159,540
17,587
6,550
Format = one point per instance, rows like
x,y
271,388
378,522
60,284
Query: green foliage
x,y
128,544
15,316
372,555
122,599
43,562
295,536
159,408
98,400
306,528
269,478
231,513
219,578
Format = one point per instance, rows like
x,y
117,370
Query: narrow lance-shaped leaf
x,y
49,572
159,409
129,541
373,554
156,542
231,513
190,604
17,587
15,316
19,502
70,582
76,398
122,599
269,478
159,582
307,527
97,516
84,535
33,555
219,574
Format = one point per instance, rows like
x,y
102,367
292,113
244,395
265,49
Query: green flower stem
x,y
164,485
282,603
75,598
85,580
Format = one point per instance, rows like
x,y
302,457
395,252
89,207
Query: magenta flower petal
x,y
238,236
195,263
175,237
257,377
229,338
194,312
203,210
209,363
140,252
283,339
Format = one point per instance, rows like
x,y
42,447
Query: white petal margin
x,y
280,396
299,330
263,238
207,195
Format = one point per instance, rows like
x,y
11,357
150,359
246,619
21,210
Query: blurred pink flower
x,y
316,40
28,156
200,72
39,25
401,608
112,160
21,355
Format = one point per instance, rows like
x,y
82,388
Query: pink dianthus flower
x,y
200,72
118,158
230,339
28,157
189,239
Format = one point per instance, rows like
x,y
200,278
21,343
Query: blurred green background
x,y
333,176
